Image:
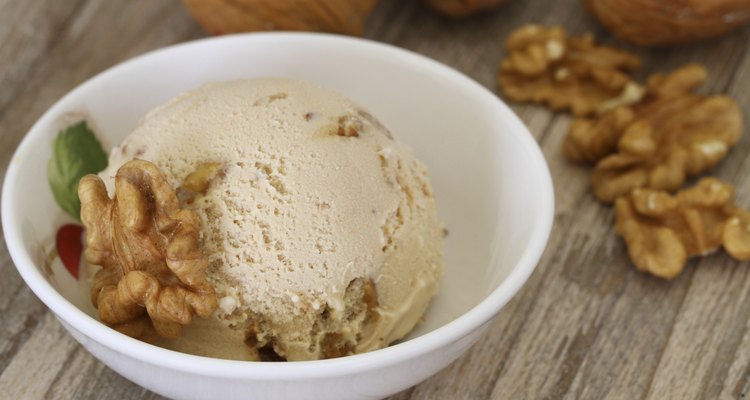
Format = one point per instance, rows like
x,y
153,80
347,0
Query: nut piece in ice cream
x,y
670,135
320,229
661,23
199,180
546,66
662,231
149,251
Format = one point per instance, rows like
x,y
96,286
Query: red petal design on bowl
x,y
70,247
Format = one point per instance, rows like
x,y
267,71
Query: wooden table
x,y
586,325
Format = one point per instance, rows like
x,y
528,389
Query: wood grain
x,y
585,326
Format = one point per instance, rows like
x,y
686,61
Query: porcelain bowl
x,y
492,186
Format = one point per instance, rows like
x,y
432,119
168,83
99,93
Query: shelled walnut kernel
x,y
149,251
662,231
546,66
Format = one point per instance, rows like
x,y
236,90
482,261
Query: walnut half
x,y
662,231
657,142
546,66
149,250
675,134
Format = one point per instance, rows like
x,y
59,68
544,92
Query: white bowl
x,y
493,190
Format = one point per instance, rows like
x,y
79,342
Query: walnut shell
x,y
667,22
231,16
462,8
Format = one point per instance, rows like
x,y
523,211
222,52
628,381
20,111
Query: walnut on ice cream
x,y
149,251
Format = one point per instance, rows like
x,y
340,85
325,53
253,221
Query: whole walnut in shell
x,y
667,22
462,8
231,16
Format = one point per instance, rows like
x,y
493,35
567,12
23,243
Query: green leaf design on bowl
x,y
75,152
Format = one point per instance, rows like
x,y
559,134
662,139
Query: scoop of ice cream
x,y
320,228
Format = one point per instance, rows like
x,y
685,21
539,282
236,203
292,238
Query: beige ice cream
x,y
321,230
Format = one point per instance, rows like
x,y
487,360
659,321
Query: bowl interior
x,y
491,184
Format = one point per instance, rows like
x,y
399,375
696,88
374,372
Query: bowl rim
x,y
440,337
